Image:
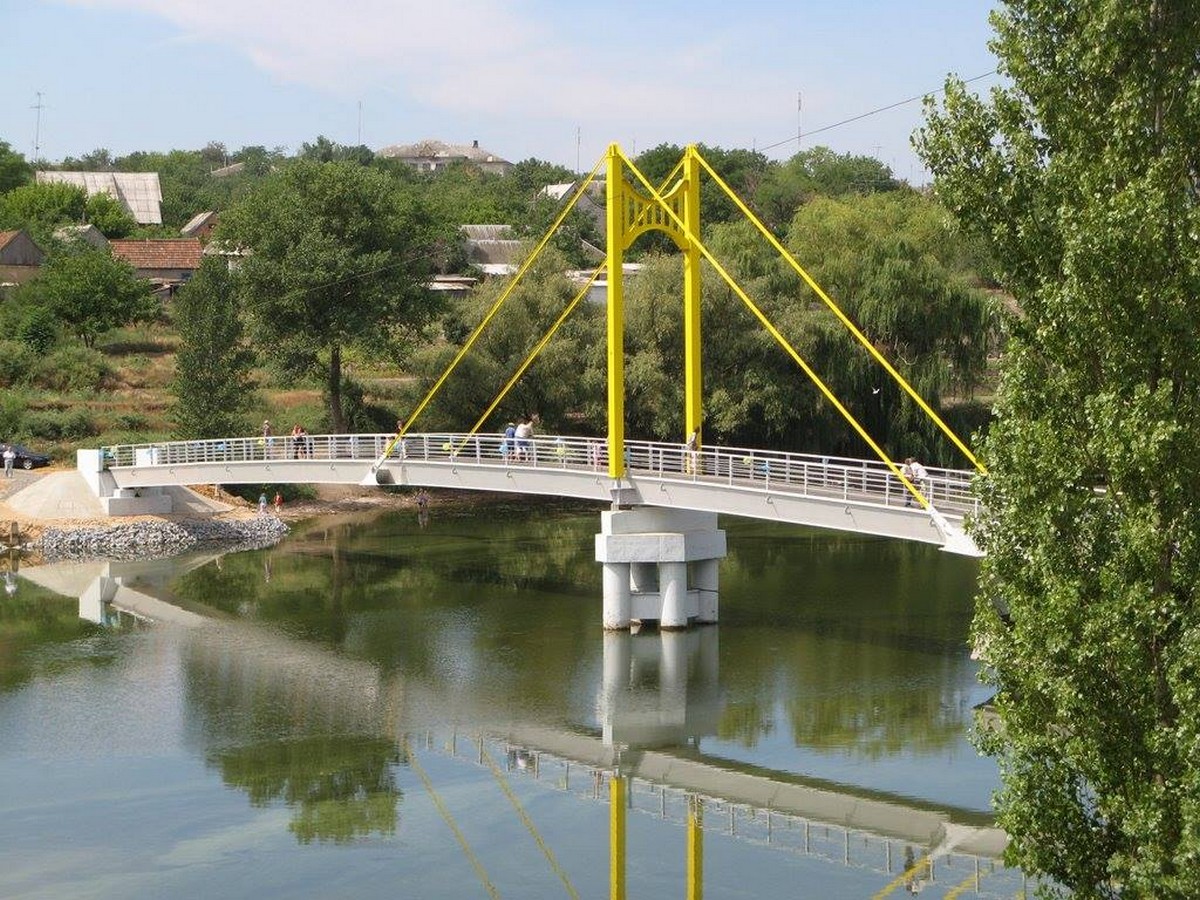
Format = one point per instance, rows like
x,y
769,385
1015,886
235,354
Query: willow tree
x,y
337,256
1082,174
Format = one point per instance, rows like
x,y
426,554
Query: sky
x,y
556,80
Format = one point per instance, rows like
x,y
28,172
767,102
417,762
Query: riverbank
x,y
51,516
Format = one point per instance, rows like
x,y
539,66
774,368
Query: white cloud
x,y
475,56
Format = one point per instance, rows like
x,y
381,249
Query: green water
x,y
432,709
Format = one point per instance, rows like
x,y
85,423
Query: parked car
x,y
29,459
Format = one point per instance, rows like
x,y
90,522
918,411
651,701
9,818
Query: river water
x,y
394,707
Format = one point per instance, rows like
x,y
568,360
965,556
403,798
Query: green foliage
x,y
555,386
41,208
12,412
38,328
60,425
107,214
14,170
16,363
817,172
1081,178
72,369
212,384
359,415
340,257
91,292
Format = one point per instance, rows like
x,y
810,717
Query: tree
x,y
1082,175
41,208
212,384
818,172
338,258
107,214
91,292
14,170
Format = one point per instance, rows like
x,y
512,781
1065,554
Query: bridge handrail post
x,y
845,483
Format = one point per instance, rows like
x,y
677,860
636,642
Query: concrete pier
x,y
660,565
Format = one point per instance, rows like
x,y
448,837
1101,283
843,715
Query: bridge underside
x,y
751,500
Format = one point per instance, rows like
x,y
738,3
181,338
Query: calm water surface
x,y
404,709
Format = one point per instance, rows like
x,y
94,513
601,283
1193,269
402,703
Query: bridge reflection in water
x,y
659,697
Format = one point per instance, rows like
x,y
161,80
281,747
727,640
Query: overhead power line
x,y
871,113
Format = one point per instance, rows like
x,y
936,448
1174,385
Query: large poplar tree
x,y
212,383
336,257
1082,174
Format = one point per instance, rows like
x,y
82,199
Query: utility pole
x,y
799,110
37,128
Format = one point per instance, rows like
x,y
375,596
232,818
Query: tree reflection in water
x,y
342,787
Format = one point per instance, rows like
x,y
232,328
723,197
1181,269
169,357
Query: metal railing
x,y
803,474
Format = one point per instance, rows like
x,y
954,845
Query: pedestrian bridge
x,y
838,493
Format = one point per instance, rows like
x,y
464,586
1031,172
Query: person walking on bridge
x,y
916,474
523,434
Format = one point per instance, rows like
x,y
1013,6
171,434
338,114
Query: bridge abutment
x,y
647,554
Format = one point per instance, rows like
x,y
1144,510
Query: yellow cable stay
x,y
541,344
504,295
537,348
529,826
842,317
449,820
780,339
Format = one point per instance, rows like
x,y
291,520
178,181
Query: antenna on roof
x,y
37,128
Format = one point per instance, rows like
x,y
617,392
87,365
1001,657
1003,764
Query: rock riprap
x,y
156,538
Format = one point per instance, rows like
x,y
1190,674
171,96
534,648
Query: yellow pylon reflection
x,y
616,837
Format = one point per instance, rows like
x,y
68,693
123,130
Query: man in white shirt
x,y
916,474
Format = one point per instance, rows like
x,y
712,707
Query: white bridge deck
x,y
843,494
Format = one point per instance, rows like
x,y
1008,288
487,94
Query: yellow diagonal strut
x,y
780,339
495,307
842,317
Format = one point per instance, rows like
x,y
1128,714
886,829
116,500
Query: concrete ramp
x,y
59,495
67,495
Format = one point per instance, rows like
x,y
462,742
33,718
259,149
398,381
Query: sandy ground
x,y
60,498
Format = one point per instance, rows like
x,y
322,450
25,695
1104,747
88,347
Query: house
x,y
165,263
430,156
89,234
200,226
20,257
138,192
493,249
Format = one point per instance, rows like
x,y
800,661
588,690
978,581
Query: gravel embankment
x,y
156,538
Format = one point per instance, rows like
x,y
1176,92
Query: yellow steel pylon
x,y
630,214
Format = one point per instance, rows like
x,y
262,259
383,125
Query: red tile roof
x,y
184,253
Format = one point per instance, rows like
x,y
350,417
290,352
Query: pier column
x,y
646,552
706,579
616,595
643,577
673,591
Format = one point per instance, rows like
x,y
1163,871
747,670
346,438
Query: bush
x,y
73,368
131,421
290,492
12,414
54,425
39,329
16,363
